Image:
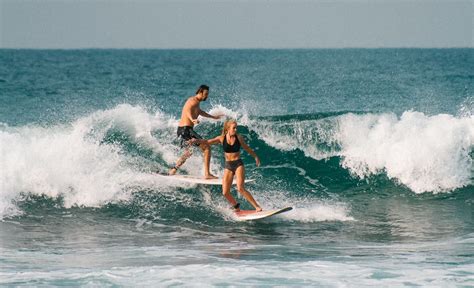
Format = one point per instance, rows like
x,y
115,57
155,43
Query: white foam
x,y
228,113
318,212
425,153
304,209
466,108
70,161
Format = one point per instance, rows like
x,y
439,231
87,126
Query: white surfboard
x,y
246,215
199,179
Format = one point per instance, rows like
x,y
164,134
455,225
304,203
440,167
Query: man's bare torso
x,y
191,107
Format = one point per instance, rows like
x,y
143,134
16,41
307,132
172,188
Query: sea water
x,y
373,148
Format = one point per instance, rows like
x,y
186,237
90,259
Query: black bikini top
x,y
231,148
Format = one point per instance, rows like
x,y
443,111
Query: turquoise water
x,y
372,147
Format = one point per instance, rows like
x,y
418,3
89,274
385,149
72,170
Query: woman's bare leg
x,y
226,184
240,175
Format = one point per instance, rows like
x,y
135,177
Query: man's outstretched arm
x,y
204,114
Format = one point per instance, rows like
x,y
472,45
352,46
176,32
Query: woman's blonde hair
x,y
227,126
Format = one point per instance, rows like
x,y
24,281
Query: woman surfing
x,y
231,143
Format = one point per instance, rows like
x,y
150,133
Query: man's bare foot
x,y
210,176
172,171
258,209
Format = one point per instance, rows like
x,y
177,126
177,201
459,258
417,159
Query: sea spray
x,y
73,161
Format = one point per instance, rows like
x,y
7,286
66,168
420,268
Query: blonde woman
x,y
231,143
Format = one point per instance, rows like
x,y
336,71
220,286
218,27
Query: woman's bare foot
x,y
236,207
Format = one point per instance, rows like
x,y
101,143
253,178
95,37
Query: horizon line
x,y
228,48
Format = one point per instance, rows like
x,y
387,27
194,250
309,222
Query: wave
x,y
109,158
424,153
74,161
111,155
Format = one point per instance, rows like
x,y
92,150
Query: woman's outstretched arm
x,y
211,141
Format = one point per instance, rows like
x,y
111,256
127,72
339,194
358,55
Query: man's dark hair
x,y
202,88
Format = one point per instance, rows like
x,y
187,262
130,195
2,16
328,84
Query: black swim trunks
x,y
186,133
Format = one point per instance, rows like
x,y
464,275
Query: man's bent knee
x,y
205,147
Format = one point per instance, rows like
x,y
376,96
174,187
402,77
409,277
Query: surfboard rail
x,y
246,215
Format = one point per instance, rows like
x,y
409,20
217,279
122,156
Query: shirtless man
x,y
189,118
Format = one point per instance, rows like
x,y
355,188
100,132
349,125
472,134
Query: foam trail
x,y
318,212
304,209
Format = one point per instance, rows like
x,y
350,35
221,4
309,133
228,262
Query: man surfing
x,y
189,117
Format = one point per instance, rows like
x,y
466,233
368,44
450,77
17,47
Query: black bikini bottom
x,y
233,165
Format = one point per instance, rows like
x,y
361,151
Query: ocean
x,y
373,148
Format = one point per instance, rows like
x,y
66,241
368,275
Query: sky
x,y
164,24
